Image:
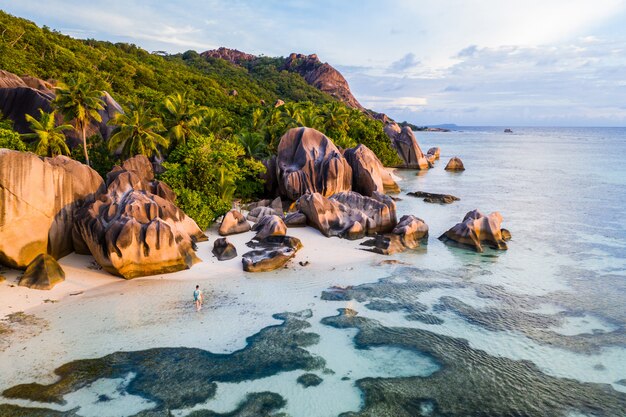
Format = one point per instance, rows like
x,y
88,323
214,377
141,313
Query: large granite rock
x,y
43,273
434,151
295,219
38,197
407,234
477,229
309,162
269,226
223,249
368,173
403,140
455,164
133,231
26,95
348,214
234,222
270,253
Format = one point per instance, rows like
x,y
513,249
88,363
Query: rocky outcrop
x,y
38,197
322,76
477,229
368,173
231,55
407,234
404,142
26,95
43,273
269,226
308,162
234,222
434,198
223,250
348,214
133,228
455,164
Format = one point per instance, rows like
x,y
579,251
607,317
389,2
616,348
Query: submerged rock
x,y
349,214
43,273
269,226
455,164
132,231
233,223
223,249
38,198
368,173
407,234
309,162
403,140
434,198
476,229
309,380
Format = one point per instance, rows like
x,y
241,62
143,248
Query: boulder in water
x,y
435,151
405,143
434,198
407,234
233,223
43,273
455,164
477,229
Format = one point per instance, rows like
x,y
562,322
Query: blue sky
x,y
482,62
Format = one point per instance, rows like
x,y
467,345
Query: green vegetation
x,y
9,138
211,141
49,138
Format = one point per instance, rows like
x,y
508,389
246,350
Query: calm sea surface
x,y
538,330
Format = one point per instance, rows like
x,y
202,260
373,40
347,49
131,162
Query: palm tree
x,y
253,144
181,117
137,132
49,138
291,114
310,118
336,117
225,185
217,122
80,102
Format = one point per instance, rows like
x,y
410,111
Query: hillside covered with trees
x,y
208,122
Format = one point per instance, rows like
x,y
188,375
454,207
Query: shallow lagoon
x,y
538,330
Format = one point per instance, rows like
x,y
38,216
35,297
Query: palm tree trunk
x,y
85,146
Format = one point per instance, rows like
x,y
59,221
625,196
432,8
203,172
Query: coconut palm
x,y
79,102
253,144
181,117
217,122
336,117
49,138
137,132
225,185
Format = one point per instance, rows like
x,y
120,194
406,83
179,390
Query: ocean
x,y
536,330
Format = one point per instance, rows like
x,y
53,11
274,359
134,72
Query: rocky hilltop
x,y
320,75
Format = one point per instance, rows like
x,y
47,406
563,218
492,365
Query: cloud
x,y
408,61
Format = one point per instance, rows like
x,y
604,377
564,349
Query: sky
x,y
480,62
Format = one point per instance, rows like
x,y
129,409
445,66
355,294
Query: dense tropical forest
x,y
210,122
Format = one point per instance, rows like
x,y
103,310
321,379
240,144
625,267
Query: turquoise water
x,y
538,330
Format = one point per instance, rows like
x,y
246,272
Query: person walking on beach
x,y
197,298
